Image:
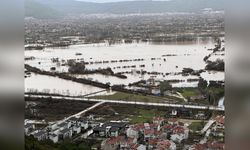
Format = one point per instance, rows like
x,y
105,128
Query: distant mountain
x,y
39,10
65,7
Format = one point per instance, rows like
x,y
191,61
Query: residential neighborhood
x,y
158,134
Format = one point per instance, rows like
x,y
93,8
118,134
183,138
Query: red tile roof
x,y
134,146
163,144
173,120
220,119
168,127
115,140
139,126
149,131
178,130
152,141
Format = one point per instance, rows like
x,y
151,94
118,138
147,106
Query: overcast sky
x,y
104,1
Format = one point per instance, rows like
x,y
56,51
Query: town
x,y
168,132
146,79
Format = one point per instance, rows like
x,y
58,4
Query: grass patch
x,y
146,115
187,93
197,126
134,113
135,97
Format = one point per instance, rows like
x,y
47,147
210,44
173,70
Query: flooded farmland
x,y
163,61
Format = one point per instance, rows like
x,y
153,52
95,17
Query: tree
x,y
76,67
202,84
164,86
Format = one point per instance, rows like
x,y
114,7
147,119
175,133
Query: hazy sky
x,y
103,1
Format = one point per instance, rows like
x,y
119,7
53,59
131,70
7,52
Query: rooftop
x,y
28,125
40,133
65,131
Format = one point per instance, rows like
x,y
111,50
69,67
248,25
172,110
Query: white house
x,y
77,129
28,128
73,120
132,133
56,131
179,133
156,91
83,123
54,138
66,133
64,125
53,126
40,135
141,147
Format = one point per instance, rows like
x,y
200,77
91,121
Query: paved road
x,y
207,126
86,110
131,102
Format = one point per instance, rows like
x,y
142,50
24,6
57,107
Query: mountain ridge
x,y
66,7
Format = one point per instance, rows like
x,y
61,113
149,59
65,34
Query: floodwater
x,y
48,84
166,59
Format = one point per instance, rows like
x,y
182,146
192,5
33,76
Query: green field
x,y
146,115
137,98
197,126
189,92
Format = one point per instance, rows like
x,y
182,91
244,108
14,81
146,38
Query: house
x,y
120,142
149,134
172,121
165,145
168,129
156,91
100,131
150,81
53,126
158,120
151,144
132,132
114,131
112,143
146,126
55,131
92,124
179,133
64,125
54,138
110,129
141,147
66,133
84,123
220,121
40,135
138,127
73,120
200,115
76,129
28,128
173,112
127,143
